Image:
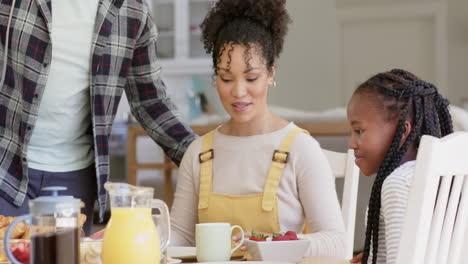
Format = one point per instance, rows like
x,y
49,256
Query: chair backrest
x,y
437,214
343,166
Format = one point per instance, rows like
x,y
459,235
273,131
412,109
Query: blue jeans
x,y
81,184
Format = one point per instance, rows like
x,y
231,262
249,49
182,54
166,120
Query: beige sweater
x,y
306,192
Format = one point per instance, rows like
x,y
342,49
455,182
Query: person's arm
x,y
316,186
148,98
395,191
184,212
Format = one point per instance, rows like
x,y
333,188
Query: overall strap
x,y
206,169
280,158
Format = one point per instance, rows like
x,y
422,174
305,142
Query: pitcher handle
x,y
242,237
158,204
6,240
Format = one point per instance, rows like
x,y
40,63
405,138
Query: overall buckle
x,y
202,157
280,157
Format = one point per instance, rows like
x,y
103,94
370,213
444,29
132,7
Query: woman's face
x,y
242,83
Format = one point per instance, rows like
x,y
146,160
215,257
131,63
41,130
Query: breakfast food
x,y
18,231
90,251
258,237
289,235
23,231
20,250
2,257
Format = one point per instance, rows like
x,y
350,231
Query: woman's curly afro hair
x,y
262,23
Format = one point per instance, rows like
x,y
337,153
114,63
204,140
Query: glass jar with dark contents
x,y
54,229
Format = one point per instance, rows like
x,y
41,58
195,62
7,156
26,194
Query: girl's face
x,y
242,83
371,133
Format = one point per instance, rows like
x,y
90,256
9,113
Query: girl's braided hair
x,y
262,23
404,97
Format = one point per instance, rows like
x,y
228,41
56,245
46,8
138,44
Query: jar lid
x,y
55,203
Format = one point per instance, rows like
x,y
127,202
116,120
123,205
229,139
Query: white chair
x,y
343,166
437,213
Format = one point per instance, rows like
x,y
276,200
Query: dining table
x,y
303,261
188,255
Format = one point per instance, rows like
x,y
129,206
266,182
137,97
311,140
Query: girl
x,y
257,170
388,115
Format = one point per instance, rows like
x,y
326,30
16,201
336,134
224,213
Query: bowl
x,y
289,251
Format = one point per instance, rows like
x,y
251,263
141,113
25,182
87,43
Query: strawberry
x,y
21,251
258,237
292,235
281,238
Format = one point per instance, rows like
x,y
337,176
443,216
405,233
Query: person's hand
x,y
357,258
247,235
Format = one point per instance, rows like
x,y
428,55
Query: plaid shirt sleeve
x,y
148,98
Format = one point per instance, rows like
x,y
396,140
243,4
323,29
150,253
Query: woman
x,y
257,170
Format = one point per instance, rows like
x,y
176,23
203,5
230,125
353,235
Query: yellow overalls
x,y
254,212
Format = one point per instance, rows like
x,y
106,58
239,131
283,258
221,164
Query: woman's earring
x,y
273,84
213,81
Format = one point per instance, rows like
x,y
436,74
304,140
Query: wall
x,y
458,51
317,69
308,68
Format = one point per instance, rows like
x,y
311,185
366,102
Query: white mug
x,y
214,241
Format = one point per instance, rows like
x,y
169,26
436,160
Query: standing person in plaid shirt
x,y
65,65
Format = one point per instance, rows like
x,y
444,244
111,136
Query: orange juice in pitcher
x,y
131,235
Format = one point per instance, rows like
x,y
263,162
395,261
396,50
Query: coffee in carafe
x,y
56,247
54,228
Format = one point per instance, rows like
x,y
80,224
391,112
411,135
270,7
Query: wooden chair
x,y
437,213
343,166
135,131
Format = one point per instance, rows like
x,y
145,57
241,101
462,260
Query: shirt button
x,y
24,159
29,127
45,64
36,95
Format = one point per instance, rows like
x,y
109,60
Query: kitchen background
x,y
331,47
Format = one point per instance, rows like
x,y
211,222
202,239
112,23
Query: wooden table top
x,y
304,261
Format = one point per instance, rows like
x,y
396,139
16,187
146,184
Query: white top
x,y
394,200
306,191
61,139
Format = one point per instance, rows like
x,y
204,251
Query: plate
x,y
174,261
190,253
246,262
182,252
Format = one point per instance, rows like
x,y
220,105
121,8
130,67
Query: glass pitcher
x,y
131,235
54,229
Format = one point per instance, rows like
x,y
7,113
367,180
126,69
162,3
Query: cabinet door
x,y
163,12
197,12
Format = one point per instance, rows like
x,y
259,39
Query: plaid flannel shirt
x,y
123,58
